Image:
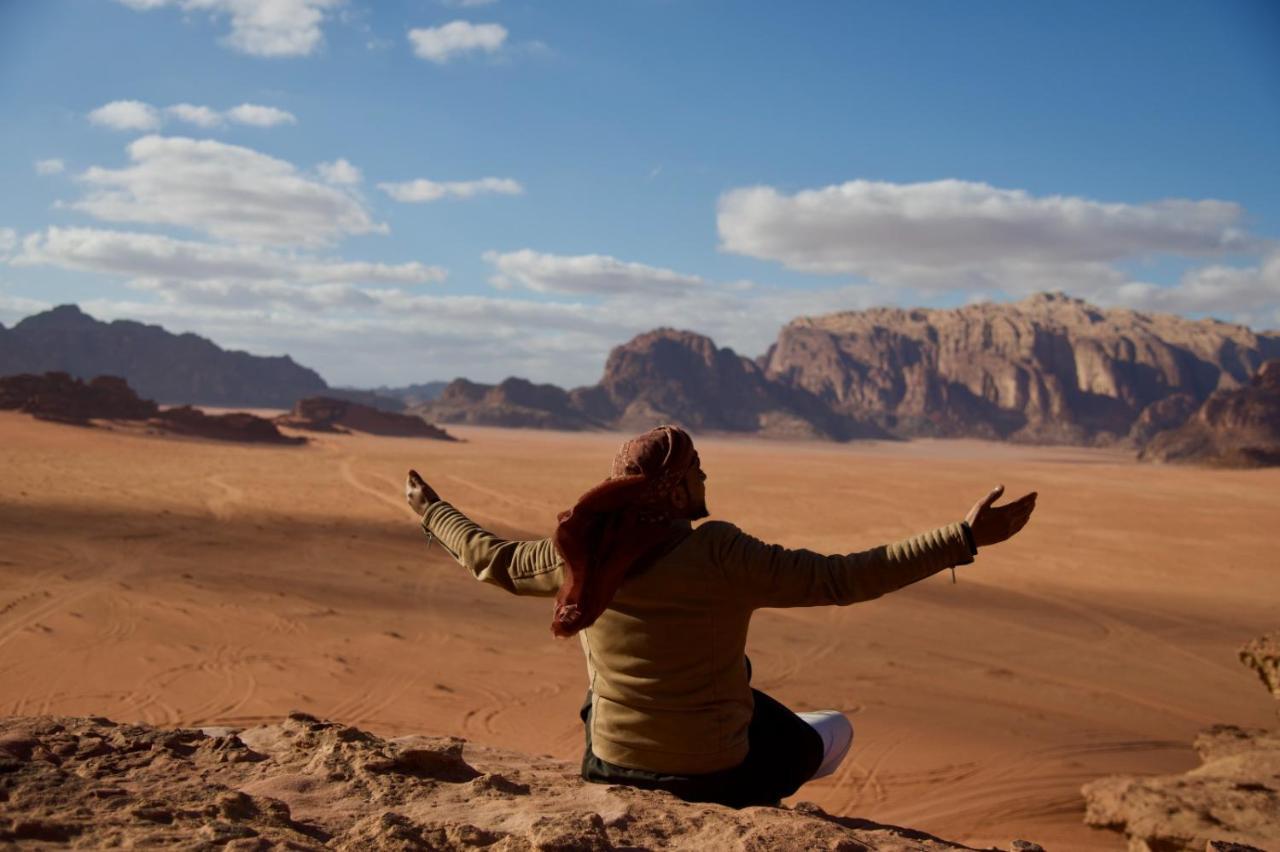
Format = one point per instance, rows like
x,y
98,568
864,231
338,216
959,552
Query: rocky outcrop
x,y
326,414
516,403
309,784
663,376
1232,797
1262,657
233,426
59,397
171,368
1239,427
1168,413
1048,369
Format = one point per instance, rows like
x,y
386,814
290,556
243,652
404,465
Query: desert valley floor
x,y
194,583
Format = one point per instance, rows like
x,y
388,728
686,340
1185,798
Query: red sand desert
x,y
184,582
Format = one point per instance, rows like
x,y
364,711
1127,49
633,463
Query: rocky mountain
x,y
326,414
1050,368
663,376
170,368
1239,427
307,784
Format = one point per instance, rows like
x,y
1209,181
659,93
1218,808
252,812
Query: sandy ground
x,y
184,582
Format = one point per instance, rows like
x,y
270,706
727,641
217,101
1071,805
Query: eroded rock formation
x,y
326,414
1232,797
232,426
662,376
58,396
1049,368
1238,427
309,784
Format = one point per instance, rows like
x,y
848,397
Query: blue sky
x,y
406,191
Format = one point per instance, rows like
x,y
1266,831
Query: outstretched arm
x,y
766,575
520,567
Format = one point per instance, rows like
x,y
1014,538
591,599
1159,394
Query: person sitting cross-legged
x,y
662,609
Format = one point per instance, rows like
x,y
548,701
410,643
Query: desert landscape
x,y
183,582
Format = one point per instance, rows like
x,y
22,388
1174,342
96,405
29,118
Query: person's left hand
x,y
419,494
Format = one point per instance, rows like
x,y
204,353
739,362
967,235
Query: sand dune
x,y
183,582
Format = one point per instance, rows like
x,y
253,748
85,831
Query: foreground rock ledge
x,y
309,784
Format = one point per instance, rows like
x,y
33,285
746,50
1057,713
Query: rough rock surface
x,y
308,784
58,396
662,376
234,426
1233,797
1161,415
1048,368
178,368
1239,427
1262,656
326,414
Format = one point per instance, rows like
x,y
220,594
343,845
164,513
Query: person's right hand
x,y
993,524
418,493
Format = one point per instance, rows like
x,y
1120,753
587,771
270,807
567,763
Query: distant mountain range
x,y
159,365
1050,369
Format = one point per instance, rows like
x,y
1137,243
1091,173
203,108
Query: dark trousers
x,y
783,753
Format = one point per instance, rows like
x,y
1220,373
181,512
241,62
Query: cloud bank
x,y
225,191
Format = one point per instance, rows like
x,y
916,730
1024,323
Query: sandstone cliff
x,y
1048,368
177,368
1239,427
662,376
307,784
326,414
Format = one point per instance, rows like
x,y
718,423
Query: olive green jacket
x,y
665,660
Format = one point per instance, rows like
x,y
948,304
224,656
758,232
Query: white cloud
x,y
260,116
52,166
467,4
962,235
151,257
201,116
136,115
595,274
441,44
1249,294
340,172
126,115
272,28
227,191
427,190
8,241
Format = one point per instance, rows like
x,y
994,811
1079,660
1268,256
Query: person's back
x,y
670,703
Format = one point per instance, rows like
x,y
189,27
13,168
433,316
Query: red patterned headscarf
x,y
619,523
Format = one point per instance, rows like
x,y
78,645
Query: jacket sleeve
x,y
520,567
769,575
